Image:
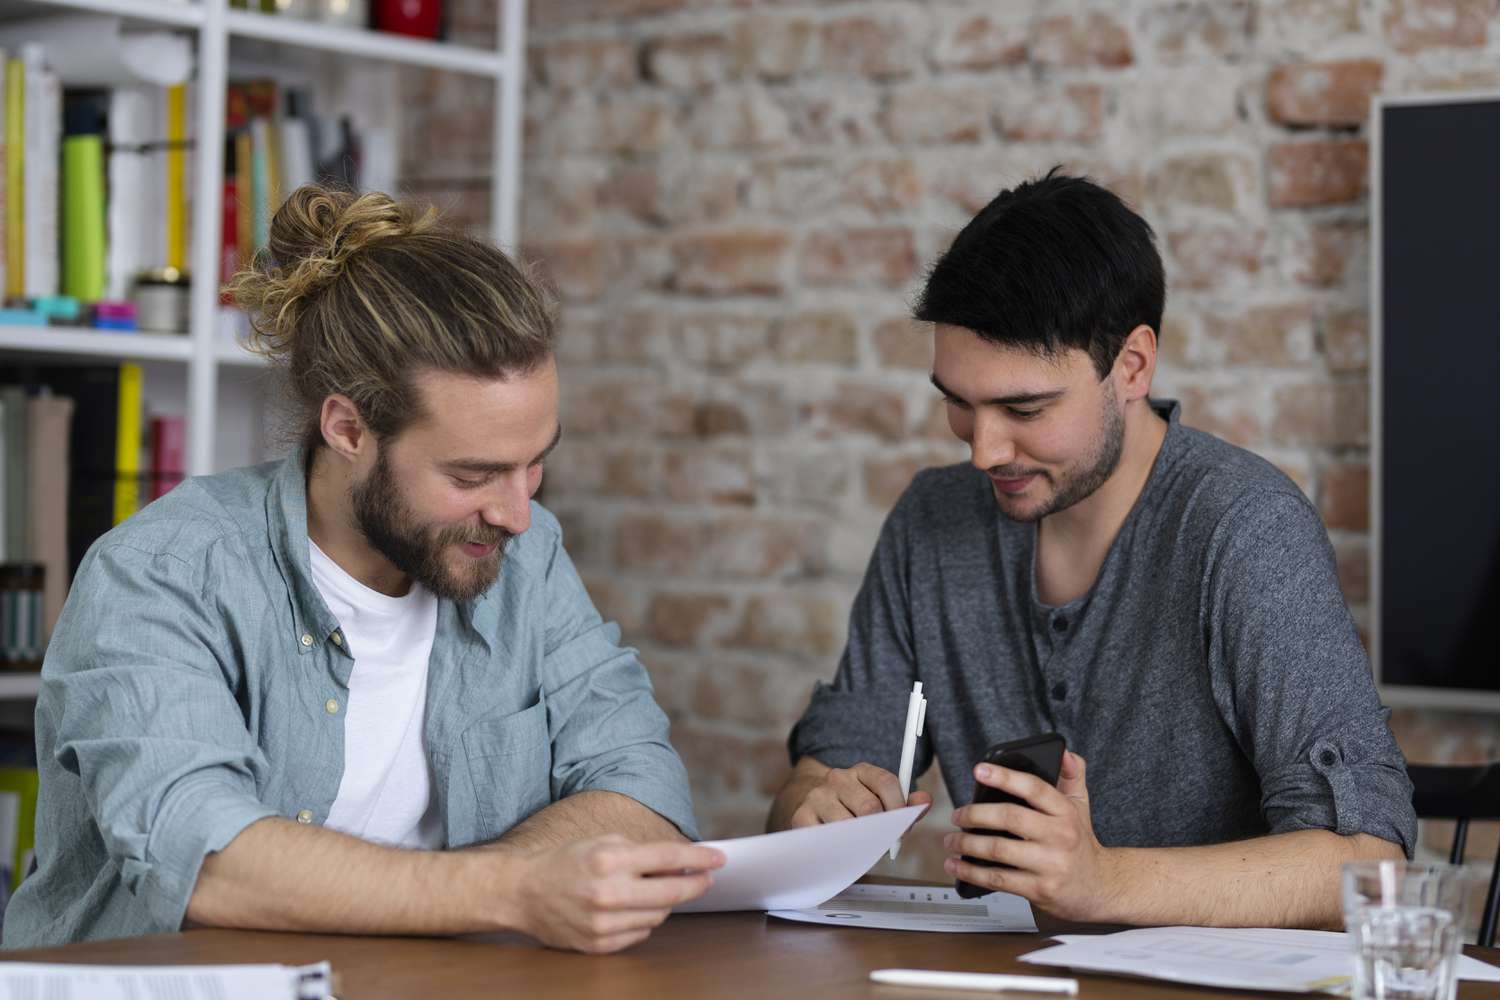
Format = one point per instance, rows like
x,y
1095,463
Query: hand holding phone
x,y
1039,755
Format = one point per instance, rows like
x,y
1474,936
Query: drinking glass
x,y
1405,924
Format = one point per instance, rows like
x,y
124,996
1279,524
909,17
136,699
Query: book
x,y
168,454
15,178
3,173
49,422
135,243
20,784
176,162
13,400
127,464
83,217
43,139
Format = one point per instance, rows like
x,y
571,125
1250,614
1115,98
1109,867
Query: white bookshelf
x,y
215,381
206,353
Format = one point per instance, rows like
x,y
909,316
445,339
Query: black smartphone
x,y
1039,755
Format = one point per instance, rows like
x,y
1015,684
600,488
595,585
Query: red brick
x,y
589,467
1344,496
823,337
575,268
1211,181
1332,414
1332,253
609,404
980,42
622,604
717,340
837,116
738,121
808,478
759,692
629,336
1198,29
727,263
1234,413
1214,257
701,193
1093,39
636,126
775,48
709,475
639,263
1074,114
875,255
1194,101
682,619
1353,560
924,115
751,407
1329,93
883,187
1414,25
879,48
933,425
803,624
1320,172
902,342
1276,336
760,547
587,63
687,62
1346,341
634,190
860,408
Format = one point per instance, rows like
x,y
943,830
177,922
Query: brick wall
x,y
736,200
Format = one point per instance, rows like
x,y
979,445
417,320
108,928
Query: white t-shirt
x,y
385,795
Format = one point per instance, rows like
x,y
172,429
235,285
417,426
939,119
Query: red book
x,y
168,453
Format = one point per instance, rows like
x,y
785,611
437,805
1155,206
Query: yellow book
x,y
128,443
176,177
15,178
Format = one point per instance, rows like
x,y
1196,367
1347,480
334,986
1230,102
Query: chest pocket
x,y
510,767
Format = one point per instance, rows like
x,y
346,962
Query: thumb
x,y
1070,779
920,799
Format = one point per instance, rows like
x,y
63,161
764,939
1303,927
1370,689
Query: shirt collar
x,y
286,519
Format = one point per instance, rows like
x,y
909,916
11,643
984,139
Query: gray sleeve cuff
x,y
1327,791
199,816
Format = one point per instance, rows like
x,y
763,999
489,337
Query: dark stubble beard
x,y
388,524
1095,470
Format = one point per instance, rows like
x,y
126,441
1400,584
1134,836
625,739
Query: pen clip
x,y
921,716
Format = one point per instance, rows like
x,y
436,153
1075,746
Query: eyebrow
x,y
1014,399
477,465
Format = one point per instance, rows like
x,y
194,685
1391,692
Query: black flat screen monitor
x,y
1436,395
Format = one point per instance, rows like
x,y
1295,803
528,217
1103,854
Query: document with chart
x,y
919,908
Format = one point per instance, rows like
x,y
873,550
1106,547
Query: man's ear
x,y
343,429
1135,365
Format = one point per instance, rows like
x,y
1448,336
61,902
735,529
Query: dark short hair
x,y
1055,263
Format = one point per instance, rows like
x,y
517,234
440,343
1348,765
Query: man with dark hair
x,y
1164,600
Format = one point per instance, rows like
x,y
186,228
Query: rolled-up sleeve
x,y
860,717
1293,681
608,733
144,716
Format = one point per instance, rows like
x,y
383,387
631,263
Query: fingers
x,y
1019,820
1070,779
660,892
993,879
1002,850
885,785
1027,787
664,857
920,799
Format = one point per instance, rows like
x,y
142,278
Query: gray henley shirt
x,y
1212,676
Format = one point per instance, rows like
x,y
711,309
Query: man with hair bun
x,y
362,689
1165,601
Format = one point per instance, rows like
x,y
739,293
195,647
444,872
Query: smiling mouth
x,y
1014,485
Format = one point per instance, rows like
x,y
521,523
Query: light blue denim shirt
x,y
184,691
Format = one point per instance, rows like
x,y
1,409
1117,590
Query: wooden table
x,y
707,955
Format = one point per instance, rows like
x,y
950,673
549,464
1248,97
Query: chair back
x,y
1462,793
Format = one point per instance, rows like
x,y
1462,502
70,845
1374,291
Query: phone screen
x,y
1039,755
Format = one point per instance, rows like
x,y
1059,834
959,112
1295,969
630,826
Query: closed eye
x,y
469,484
1024,414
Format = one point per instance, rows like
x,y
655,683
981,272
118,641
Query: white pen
x,y
916,715
983,982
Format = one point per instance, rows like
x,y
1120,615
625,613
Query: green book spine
x,y
83,217
15,174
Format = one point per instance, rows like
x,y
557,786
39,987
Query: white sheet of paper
x,y
1233,958
164,982
802,867
919,908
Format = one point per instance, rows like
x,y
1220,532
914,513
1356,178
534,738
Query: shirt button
x,y
304,817
306,639
1059,691
338,640
331,706
1059,624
